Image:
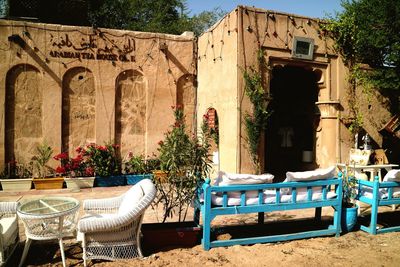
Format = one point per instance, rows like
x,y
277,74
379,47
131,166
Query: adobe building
x,y
69,86
305,80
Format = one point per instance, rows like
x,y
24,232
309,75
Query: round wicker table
x,y
48,218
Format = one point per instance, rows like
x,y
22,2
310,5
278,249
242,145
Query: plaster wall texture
x,y
72,85
217,85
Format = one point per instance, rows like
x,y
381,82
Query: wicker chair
x,y
110,229
9,235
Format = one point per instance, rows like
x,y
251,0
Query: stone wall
x,y
69,86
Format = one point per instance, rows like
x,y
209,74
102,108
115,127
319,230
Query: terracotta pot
x,y
48,183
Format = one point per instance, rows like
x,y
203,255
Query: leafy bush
x,y
185,160
141,165
40,160
101,160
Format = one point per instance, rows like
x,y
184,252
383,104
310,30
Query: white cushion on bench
x,y
242,178
383,193
225,179
392,176
317,174
269,198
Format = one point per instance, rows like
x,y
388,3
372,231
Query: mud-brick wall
x,y
69,86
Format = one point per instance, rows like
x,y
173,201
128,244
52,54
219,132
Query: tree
x,y
166,16
204,20
367,32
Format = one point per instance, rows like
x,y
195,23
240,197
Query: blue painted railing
x,y
209,211
375,187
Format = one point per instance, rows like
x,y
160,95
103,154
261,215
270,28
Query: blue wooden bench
x,y
375,199
210,211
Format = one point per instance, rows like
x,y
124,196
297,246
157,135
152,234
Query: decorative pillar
x,y
327,133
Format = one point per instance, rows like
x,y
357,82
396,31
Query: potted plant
x,y
349,207
138,168
44,174
76,171
16,177
105,164
185,163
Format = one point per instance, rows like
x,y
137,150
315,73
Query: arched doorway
x,y
290,135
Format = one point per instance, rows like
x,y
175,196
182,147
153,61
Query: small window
x,y
303,48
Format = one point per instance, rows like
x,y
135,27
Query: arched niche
x,y
211,118
23,113
79,108
186,97
130,112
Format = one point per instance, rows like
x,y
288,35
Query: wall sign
x,y
93,47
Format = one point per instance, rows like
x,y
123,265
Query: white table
x,y
374,170
48,218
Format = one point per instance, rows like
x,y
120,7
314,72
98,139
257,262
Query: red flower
x,y
60,169
102,148
179,106
61,156
89,171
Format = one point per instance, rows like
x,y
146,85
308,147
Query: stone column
x,y
327,133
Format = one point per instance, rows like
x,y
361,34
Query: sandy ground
x,y
352,249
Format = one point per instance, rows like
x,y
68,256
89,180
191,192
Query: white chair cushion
x,y
317,174
131,199
10,226
392,176
93,216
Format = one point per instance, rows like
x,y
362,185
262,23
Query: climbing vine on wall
x,y
256,122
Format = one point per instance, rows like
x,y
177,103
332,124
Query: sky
x,y
308,8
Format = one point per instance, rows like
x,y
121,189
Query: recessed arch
x,y
23,113
185,97
79,108
130,112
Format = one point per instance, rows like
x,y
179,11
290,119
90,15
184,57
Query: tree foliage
x,y
165,16
367,32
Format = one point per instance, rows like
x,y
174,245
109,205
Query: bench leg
x,y
196,215
261,218
206,232
318,212
374,219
